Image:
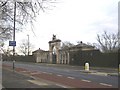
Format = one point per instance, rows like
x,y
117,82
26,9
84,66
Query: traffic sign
x,y
12,43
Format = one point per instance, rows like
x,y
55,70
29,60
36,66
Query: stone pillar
x,y
50,58
68,57
57,59
64,58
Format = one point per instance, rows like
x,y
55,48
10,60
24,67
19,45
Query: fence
x,y
30,58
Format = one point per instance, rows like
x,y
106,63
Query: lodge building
x,y
57,55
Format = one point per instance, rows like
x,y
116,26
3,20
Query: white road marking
x,y
77,70
44,72
49,73
35,73
37,82
86,80
25,71
59,75
71,77
61,85
106,84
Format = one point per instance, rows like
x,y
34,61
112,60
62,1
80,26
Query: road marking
x,y
37,82
44,72
77,70
25,71
59,75
86,80
61,85
49,73
35,73
71,77
67,70
106,84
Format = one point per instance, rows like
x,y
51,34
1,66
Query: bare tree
x,y
23,47
7,51
25,12
66,45
108,42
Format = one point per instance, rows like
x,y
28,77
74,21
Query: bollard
x,y
13,65
86,66
119,68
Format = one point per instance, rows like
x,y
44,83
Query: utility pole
x,y
28,45
14,27
14,34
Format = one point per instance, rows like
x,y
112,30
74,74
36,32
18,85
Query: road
x,y
13,80
85,79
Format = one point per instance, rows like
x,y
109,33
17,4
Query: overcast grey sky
x,y
73,20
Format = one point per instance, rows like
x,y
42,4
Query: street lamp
x,y
14,35
14,27
28,45
14,43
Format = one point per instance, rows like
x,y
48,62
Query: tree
x,y
25,12
66,45
7,51
108,42
25,47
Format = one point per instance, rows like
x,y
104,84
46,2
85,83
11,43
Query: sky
x,y
72,20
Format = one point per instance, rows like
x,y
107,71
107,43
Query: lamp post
x,y
28,45
14,35
14,29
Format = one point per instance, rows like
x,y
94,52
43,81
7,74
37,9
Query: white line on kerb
x,y
59,75
71,77
106,84
86,80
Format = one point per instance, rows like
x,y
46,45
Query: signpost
x,y
12,43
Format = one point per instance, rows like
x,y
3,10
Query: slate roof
x,y
39,50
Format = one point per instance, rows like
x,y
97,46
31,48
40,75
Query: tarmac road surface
x,y
15,80
71,74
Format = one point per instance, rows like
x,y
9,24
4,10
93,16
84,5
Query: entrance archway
x,y
54,47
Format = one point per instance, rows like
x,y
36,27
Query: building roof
x,y
79,46
39,50
83,45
